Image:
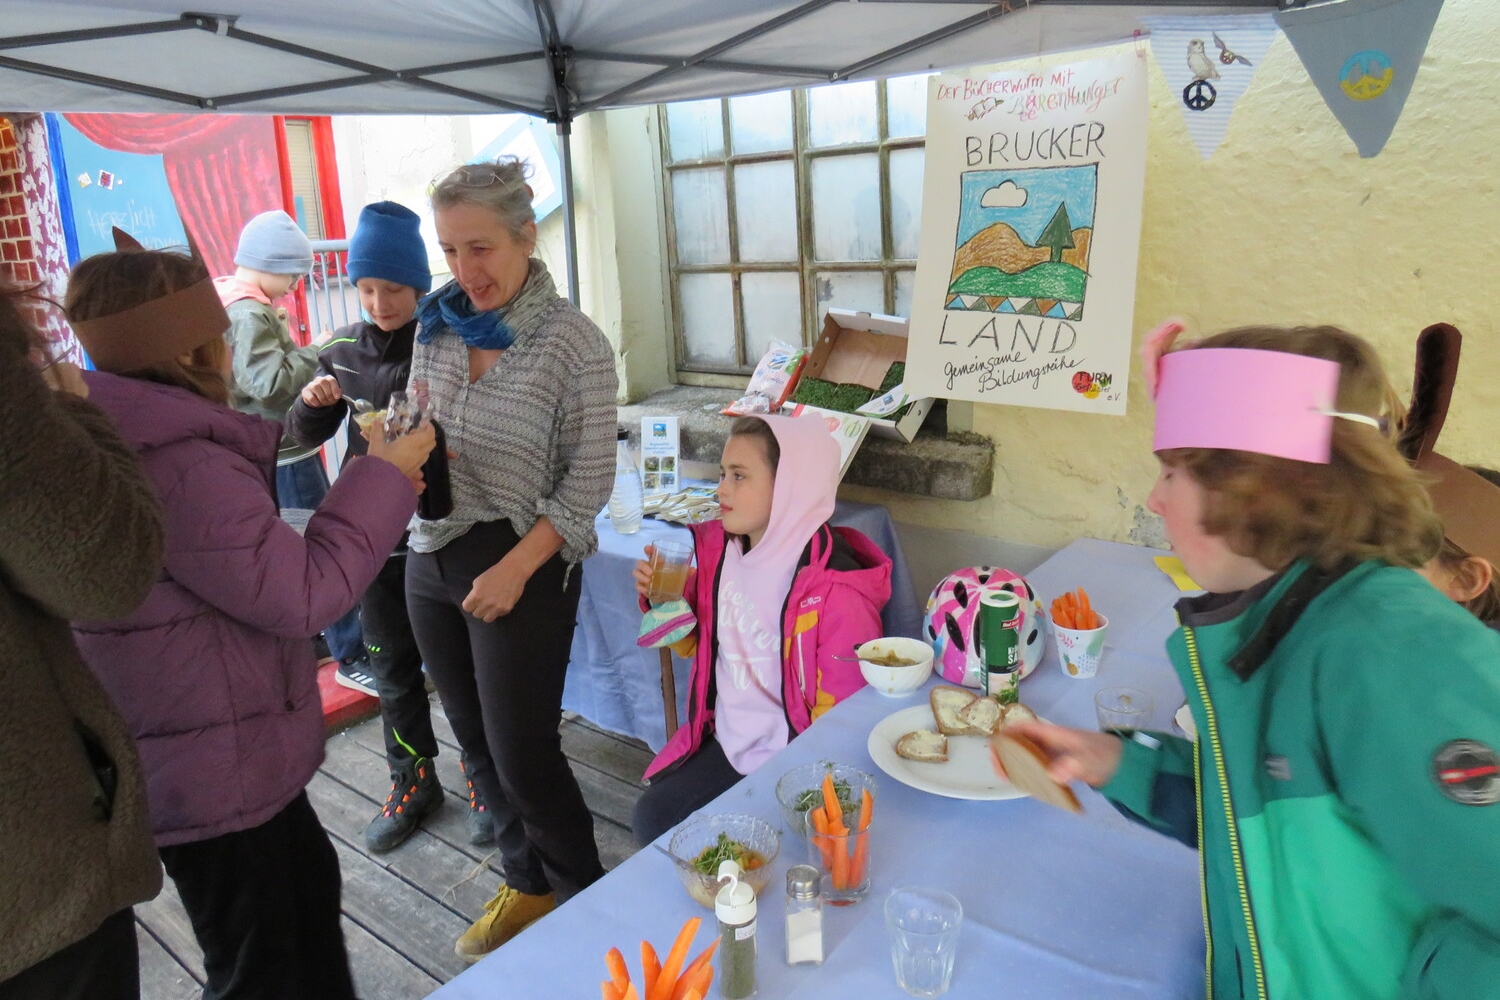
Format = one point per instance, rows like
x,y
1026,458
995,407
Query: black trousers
x,y
673,796
103,966
396,665
502,685
264,904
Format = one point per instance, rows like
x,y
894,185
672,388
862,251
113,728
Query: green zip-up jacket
x,y
1343,792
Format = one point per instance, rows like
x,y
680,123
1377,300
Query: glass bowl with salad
x,y
701,843
801,788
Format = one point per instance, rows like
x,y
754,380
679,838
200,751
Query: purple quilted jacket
x,y
215,673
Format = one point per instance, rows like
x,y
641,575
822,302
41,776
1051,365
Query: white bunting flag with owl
x,y
1208,63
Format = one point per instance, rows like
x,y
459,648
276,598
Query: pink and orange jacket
x,y
834,604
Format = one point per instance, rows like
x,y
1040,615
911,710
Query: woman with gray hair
x,y
524,385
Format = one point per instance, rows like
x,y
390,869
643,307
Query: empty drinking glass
x,y
924,926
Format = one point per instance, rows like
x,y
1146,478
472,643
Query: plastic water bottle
x,y
628,495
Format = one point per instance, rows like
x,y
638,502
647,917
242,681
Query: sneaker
x,y
415,792
481,828
505,916
354,674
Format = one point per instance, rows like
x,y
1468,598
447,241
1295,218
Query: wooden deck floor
x,y
403,910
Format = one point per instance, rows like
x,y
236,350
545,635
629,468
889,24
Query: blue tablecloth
x,y
615,684
1055,905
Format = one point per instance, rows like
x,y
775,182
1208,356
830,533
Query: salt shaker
x,y
734,907
804,916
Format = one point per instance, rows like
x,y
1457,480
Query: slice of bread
x,y
947,702
982,716
1017,712
923,745
1026,767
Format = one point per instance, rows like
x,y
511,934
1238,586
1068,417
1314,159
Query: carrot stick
x,y
672,967
820,836
630,993
651,966
841,862
861,858
831,807
862,841
695,982
693,995
701,960
607,990
618,973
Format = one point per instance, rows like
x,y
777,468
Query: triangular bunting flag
x,y
1208,63
1363,56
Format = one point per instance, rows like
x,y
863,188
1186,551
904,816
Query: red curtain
x,y
222,169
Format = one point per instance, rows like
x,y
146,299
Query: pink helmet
x,y
951,612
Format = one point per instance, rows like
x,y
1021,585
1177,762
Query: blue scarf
x,y
449,308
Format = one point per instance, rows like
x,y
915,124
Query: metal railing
x,y
332,299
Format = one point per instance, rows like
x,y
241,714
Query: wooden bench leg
x,y
668,691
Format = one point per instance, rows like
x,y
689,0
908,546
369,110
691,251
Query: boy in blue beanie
x,y
370,360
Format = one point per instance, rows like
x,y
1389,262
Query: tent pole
x,y
570,231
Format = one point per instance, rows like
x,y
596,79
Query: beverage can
x,y
1000,642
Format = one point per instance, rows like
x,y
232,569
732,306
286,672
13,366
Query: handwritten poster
x,y
1031,221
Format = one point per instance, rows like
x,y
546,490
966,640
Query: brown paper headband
x,y
154,331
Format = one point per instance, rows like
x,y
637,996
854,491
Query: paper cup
x,y
1079,650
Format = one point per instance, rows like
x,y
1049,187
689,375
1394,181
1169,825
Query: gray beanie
x,y
272,242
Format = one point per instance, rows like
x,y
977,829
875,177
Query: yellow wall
x,y
1283,224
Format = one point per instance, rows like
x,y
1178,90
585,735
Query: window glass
x,y
765,203
700,208
905,282
861,291
762,123
846,207
695,130
842,113
906,201
708,319
906,106
772,306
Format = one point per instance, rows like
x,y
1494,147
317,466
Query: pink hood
x,y
807,483
232,289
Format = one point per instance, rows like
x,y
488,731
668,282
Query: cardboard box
x,y
860,347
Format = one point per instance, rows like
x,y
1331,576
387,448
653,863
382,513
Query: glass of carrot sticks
x,y
1078,631
838,835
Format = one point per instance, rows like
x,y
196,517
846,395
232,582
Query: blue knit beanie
x,y
273,243
388,245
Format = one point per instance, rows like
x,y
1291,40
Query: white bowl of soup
x,y
895,666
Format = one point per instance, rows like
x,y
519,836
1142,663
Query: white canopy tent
x,y
555,59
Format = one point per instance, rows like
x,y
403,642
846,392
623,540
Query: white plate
x,y
966,774
1184,720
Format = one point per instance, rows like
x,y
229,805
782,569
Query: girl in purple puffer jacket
x,y
215,673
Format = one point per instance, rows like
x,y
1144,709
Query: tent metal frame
x,y
554,54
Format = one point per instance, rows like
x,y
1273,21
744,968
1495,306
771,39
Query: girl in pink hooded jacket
x,y
776,593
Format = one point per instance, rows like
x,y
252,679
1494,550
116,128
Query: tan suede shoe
x,y
505,916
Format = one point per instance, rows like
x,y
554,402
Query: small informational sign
x,y
660,455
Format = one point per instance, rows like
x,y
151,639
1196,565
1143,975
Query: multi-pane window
x,y
781,205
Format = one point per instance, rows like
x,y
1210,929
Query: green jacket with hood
x,y
1343,792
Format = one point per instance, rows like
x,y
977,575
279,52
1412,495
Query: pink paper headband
x,y
1267,402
